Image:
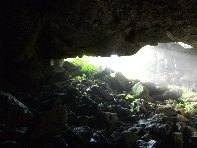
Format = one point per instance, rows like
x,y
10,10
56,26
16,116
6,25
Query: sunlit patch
x,y
149,63
184,45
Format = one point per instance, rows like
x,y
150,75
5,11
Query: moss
x,y
88,69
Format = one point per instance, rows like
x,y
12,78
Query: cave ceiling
x,y
67,28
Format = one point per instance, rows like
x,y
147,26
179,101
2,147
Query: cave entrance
x,y
167,63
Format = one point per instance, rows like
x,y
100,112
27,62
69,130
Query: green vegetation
x,y
188,106
86,67
129,96
80,78
187,94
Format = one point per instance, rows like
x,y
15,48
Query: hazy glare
x,y
170,63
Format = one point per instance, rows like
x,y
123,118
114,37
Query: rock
x,y
111,119
182,119
144,144
158,97
155,89
9,144
167,110
128,139
57,64
101,75
119,82
193,139
191,136
178,139
140,91
12,134
122,113
180,111
71,68
102,93
13,112
52,121
84,134
173,94
98,140
188,131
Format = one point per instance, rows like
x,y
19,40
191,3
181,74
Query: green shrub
x,y
86,67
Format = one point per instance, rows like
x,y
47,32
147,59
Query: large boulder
x,y
119,82
103,94
167,110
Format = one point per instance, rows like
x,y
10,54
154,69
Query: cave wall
x,y
33,32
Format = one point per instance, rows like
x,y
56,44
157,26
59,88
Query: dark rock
x,y
72,69
52,121
155,89
111,119
119,82
127,139
9,144
122,113
102,93
84,121
144,144
167,110
159,125
158,97
173,94
12,134
122,81
98,140
13,112
178,139
84,134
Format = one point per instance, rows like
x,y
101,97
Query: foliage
x,y
86,67
80,78
187,93
129,96
188,106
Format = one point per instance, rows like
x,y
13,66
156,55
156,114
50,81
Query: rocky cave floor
x,y
105,111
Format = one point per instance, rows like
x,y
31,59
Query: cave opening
x,y
166,63
125,98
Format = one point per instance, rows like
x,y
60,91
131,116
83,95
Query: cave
x,y
70,76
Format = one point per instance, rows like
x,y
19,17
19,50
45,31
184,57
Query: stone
x,y
173,94
148,144
111,119
188,131
13,112
98,140
102,93
71,68
84,134
178,139
122,81
182,119
128,139
52,121
167,110
155,88
119,82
